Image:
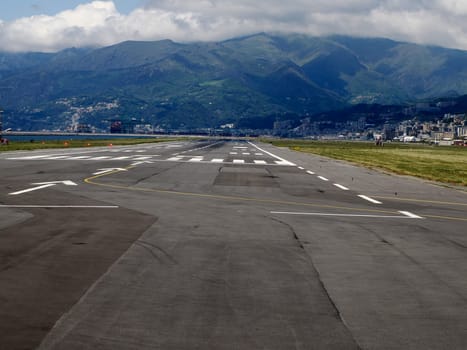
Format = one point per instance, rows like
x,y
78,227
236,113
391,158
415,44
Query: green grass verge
x,y
443,164
30,146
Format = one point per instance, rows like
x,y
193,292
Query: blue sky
x,y
14,9
53,25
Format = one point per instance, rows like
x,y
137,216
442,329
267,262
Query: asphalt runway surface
x,y
225,245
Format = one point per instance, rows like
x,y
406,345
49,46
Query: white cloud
x,y
98,23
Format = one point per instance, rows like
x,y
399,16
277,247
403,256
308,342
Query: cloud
x,y
99,23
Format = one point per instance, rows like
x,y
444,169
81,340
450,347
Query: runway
x,y
225,245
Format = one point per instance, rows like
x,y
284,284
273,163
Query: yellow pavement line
x,y
428,201
91,181
451,218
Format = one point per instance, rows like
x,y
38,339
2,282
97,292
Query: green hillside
x,y
175,85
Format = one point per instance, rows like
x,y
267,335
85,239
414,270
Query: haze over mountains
x,y
208,84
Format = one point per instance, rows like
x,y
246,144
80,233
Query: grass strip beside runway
x,y
442,164
52,144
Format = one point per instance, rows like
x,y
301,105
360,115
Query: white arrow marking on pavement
x,y
108,170
44,185
66,182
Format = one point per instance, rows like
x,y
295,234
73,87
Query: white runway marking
x,y
149,158
371,200
342,187
410,215
282,160
43,185
310,172
142,162
121,158
99,158
108,170
31,157
323,178
31,189
349,215
80,158
60,206
201,148
57,157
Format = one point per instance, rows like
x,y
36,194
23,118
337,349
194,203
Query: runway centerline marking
x,y
341,187
410,215
371,200
92,181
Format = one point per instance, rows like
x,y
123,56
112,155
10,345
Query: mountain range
x,y
175,85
